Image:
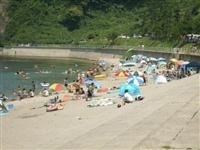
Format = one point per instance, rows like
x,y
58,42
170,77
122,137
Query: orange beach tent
x,y
122,74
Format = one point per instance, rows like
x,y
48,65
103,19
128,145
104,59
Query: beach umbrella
x,y
194,64
161,59
129,64
152,59
143,62
186,62
173,60
161,63
57,87
180,62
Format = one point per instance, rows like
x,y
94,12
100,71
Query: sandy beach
x,y
168,117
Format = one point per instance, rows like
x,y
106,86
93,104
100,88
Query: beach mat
x,y
101,102
4,112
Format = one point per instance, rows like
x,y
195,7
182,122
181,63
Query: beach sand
x,y
168,117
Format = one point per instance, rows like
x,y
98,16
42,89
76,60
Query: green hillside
x,y
100,22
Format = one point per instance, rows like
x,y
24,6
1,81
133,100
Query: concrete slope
x,y
168,117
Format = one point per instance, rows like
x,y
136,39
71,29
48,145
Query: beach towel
x,y
101,102
3,112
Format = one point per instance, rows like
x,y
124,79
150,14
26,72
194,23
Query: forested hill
x,y
75,21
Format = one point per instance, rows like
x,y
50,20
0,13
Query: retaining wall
x,y
60,53
88,53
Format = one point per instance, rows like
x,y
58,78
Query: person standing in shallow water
x,y
33,86
66,82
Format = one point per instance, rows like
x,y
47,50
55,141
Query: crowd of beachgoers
x,y
121,79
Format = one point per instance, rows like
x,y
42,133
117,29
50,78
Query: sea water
x,y
37,70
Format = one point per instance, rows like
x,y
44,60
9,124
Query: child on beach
x,y
31,93
90,91
127,97
45,93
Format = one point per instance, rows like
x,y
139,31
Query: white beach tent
x,y
160,79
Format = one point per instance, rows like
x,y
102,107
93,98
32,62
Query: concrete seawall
x,y
88,53
59,53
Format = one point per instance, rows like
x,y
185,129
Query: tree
x,y
73,18
112,36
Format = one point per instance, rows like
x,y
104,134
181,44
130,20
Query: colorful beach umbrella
x,y
57,87
173,60
152,59
161,63
180,62
161,59
186,62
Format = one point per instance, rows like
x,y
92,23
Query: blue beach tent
x,y
131,87
193,64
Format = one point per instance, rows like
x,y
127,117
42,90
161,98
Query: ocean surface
x,y
37,70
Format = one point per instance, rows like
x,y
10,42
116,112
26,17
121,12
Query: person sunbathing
x,y
45,93
80,95
54,107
